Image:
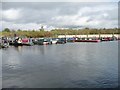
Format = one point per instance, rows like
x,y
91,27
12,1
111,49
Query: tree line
x,y
54,33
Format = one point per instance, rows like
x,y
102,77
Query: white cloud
x,y
28,26
11,14
105,14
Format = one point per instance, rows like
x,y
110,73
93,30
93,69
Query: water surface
x,y
71,65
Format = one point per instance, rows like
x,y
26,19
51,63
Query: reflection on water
x,y
73,65
0,69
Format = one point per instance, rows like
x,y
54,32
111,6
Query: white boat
x,y
44,41
54,41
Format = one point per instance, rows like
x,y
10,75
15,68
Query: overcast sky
x,y
31,15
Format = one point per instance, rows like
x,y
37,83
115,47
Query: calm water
x,y
71,65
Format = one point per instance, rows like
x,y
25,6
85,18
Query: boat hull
x,y
87,40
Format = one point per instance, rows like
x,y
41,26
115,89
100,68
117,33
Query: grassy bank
x,y
56,32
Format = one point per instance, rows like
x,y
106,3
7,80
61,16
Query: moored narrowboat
x,y
61,41
87,40
54,40
44,41
71,40
27,42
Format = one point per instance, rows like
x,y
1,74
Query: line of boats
x,y
16,41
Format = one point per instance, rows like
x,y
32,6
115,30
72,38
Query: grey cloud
x,y
112,15
33,5
43,12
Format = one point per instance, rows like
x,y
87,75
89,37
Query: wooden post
x,y
99,35
113,34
